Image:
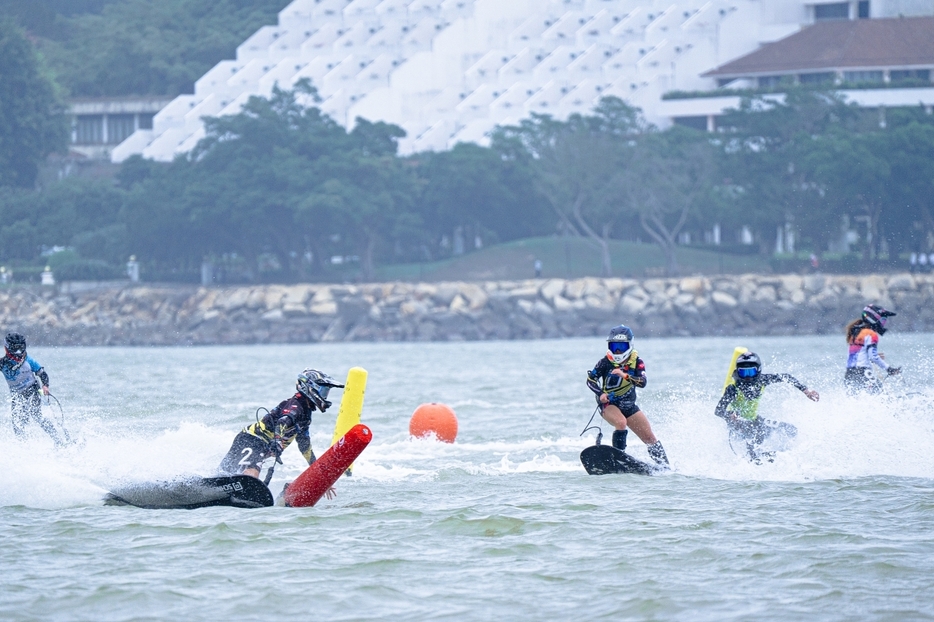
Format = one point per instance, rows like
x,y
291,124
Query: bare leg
x,y
614,416
251,472
640,425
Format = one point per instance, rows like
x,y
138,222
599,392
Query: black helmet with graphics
x,y
618,343
748,367
15,346
316,386
876,316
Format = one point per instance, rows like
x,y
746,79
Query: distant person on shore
x,y
288,421
28,381
614,380
739,407
862,337
922,262
913,263
815,263
538,268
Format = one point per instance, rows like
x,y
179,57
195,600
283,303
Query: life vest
x,y
613,384
745,407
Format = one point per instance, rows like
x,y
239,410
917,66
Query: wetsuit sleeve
x,y
303,438
872,352
773,378
39,371
594,376
728,396
637,376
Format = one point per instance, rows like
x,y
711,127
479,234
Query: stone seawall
x,y
114,314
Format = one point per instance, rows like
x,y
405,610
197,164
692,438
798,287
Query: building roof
x,y
851,44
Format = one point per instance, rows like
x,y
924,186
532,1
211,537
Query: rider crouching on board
x,y
614,380
26,379
739,405
862,336
286,422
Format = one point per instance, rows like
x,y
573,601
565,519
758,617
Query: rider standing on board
x,y
286,422
862,336
614,380
26,379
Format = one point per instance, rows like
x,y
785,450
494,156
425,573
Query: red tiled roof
x,y
838,44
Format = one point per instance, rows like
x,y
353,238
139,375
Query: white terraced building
x,y
449,71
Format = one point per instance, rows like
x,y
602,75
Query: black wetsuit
x,y
288,421
621,393
739,408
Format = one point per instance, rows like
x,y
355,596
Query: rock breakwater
x,y
118,314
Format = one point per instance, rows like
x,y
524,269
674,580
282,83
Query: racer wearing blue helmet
x,y
614,380
739,405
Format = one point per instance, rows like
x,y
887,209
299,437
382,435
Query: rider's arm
x,y
39,371
304,445
637,376
773,378
728,396
595,377
872,352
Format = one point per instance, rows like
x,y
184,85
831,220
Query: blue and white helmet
x,y
618,344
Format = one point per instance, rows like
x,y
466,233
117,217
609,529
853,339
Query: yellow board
x,y
729,374
351,404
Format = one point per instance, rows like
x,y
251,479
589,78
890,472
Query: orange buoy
x,y
437,419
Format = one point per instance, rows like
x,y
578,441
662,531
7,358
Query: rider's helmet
x,y
748,367
618,343
316,385
15,347
876,317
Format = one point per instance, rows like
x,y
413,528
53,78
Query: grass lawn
x,y
568,258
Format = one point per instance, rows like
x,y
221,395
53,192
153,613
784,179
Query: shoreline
x,y
89,314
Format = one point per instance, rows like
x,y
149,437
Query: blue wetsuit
x,y
25,379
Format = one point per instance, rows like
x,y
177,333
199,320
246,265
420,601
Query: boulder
x,y
901,283
723,299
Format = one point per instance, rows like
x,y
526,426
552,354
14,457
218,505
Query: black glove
x,y
894,371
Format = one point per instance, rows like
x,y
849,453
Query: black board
x,y
239,491
604,459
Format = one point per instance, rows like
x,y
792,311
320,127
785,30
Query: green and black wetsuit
x,y
739,407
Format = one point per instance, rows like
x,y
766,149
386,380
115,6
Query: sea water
x,y
502,524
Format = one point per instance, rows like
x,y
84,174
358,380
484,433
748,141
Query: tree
x,y
665,178
146,47
764,144
481,191
32,120
577,165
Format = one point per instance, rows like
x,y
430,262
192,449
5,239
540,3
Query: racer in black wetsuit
x,y
288,421
739,406
26,379
614,380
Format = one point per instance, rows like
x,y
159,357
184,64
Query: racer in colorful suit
x,y
862,337
614,380
26,378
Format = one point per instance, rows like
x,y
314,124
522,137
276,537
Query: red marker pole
x,y
314,482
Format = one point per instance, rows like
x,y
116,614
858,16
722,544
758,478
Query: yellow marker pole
x,y
351,404
729,374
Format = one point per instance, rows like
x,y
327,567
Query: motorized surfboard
x,y
239,491
605,459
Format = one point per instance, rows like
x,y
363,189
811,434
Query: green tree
x,y
577,165
32,122
764,144
150,47
665,179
